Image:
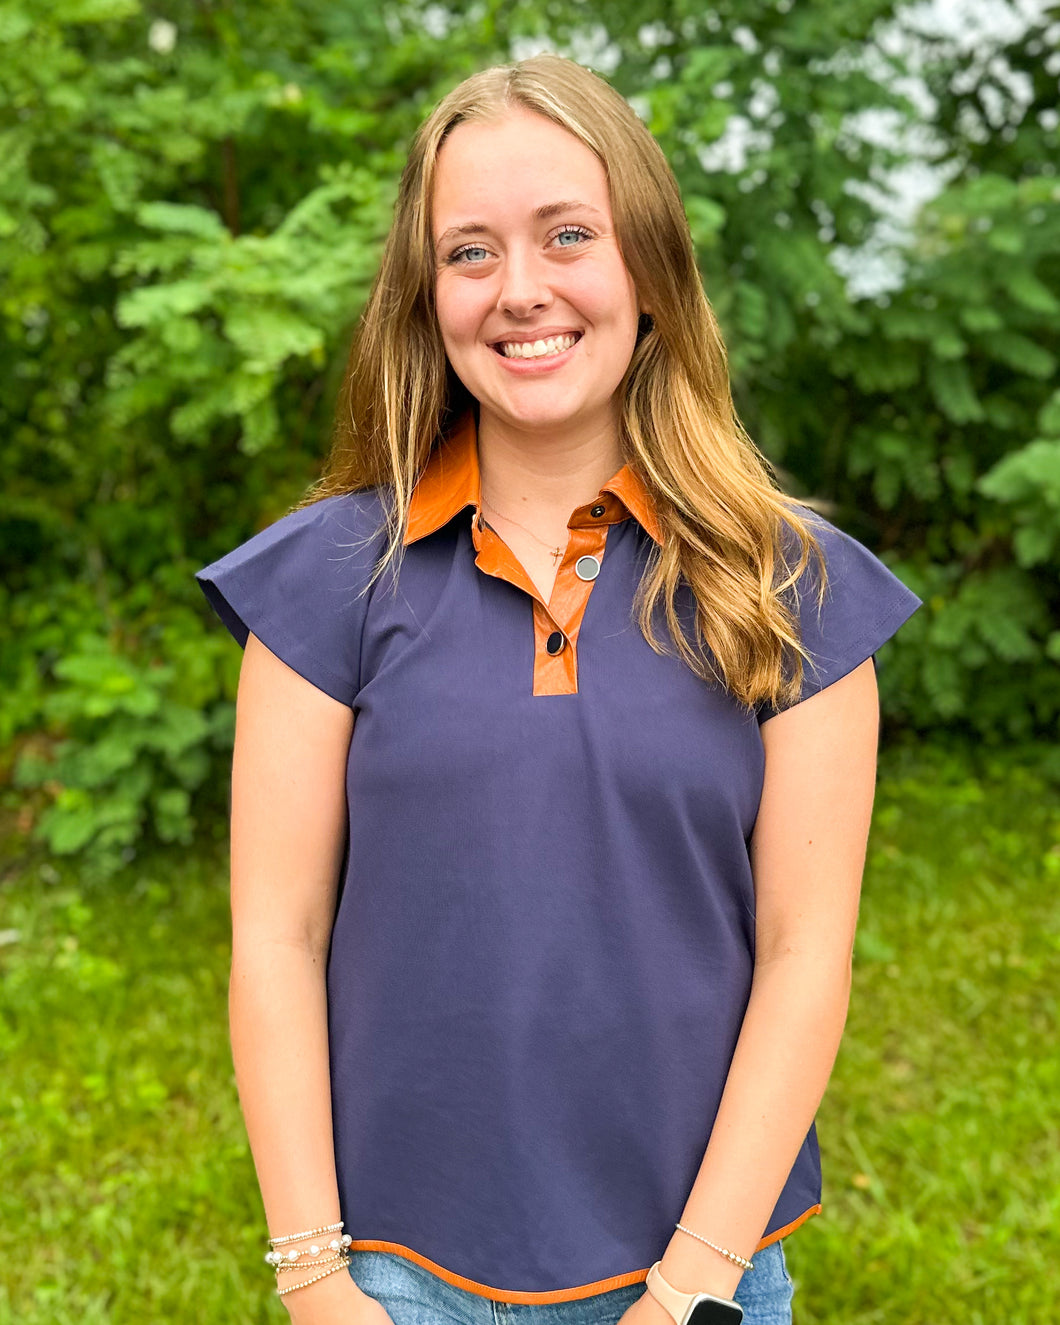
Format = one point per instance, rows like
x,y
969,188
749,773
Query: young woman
x,y
554,764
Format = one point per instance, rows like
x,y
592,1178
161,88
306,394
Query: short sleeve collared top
x,y
544,940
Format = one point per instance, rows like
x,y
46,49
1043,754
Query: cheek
x,y
606,296
459,308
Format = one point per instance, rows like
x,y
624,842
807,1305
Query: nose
x,y
524,286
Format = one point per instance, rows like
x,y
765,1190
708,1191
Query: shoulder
x,y
333,536
835,543
862,605
343,519
857,580
301,586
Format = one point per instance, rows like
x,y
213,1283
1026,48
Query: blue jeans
x,y
412,1295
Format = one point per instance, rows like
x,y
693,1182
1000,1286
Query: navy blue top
x,y
544,941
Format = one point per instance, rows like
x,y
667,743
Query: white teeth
x,y
516,349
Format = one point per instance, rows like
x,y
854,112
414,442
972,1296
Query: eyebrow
x,y
543,213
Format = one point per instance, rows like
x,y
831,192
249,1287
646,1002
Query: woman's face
x,y
526,253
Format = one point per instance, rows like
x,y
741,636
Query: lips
x,y
536,345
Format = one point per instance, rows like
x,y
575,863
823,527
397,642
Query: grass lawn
x,y
128,1190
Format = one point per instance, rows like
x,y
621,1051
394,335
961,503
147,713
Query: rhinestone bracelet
x,y
309,1233
729,1255
282,1292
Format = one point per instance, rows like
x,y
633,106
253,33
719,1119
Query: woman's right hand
x,y
335,1300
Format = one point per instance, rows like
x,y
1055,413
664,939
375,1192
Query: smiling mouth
x,y
546,348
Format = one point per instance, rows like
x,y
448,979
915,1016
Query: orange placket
x,y
554,674
450,483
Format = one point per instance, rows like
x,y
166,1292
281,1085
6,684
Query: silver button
x,y
587,568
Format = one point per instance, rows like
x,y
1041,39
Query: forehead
x,y
512,165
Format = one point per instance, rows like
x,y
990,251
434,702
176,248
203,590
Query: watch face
x,y
715,1312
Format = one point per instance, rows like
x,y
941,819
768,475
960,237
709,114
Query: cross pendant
x,y
556,554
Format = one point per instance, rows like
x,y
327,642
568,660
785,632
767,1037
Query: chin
x,y
547,413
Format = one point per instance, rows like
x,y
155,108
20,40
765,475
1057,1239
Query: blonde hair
x,y
724,519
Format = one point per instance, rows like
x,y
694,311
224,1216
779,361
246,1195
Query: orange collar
x,y
451,481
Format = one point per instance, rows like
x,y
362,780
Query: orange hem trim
x,y
557,1295
789,1228
501,1294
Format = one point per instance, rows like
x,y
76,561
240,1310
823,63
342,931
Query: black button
x,y
597,511
555,642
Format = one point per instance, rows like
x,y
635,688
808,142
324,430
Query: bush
x,y
191,211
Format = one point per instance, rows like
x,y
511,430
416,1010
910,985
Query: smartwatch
x,y
692,1308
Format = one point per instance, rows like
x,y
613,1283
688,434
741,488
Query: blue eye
x,y
576,231
463,252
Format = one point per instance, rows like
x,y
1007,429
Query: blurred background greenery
x,y
193,197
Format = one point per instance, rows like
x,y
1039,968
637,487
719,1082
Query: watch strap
x,y
675,1302
679,1305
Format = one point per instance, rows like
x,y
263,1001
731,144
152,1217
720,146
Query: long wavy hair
x,y
729,532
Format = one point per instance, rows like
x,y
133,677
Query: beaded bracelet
x,y
313,1265
282,1292
729,1255
309,1233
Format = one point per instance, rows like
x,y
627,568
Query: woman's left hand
x,y
646,1311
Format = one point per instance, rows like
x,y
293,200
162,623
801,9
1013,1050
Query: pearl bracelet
x,y
729,1255
276,1258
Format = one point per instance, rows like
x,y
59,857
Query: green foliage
x,y
1029,481
126,734
191,212
131,755
223,318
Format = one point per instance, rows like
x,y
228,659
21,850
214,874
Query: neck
x,y
544,473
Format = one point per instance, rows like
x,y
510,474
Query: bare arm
x,y
808,855
288,836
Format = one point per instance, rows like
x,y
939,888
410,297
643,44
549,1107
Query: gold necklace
x,y
556,552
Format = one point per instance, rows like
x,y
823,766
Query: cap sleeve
x,y
864,605
298,586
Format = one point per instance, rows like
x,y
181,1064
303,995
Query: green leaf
x,y
183,219
268,336
1029,481
752,310
706,219
978,318
947,344
951,385
1022,354
1049,414
159,303
1031,472
1029,291
14,24
1033,544
1006,239
97,11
